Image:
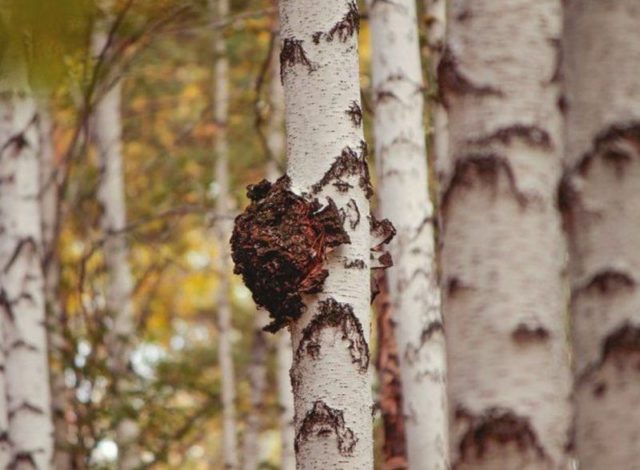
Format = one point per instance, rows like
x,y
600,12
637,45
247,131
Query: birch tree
x,y
113,221
303,244
403,194
25,408
600,199
220,10
503,256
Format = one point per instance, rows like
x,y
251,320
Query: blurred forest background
x,y
162,53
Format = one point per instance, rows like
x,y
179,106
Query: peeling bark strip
x,y
322,422
495,428
349,164
333,314
600,201
279,246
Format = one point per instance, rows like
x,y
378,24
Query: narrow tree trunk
x,y
601,205
503,256
404,198
284,348
436,26
220,10
257,375
51,267
394,448
24,380
111,195
327,158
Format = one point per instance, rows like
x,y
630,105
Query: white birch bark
x,y
284,348
113,222
503,256
51,268
27,441
401,164
220,10
436,27
601,205
331,385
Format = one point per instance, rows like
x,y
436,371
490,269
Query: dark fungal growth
x,y
279,246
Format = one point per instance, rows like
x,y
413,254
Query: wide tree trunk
x,y
25,403
222,231
107,123
600,199
401,164
503,255
49,196
284,348
327,158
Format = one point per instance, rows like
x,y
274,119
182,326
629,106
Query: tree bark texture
x,y
600,198
503,254
113,222
327,158
25,405
222,231
401,164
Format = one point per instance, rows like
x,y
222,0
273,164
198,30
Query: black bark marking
x,y
382,231
355,113
451,81
384,96
606,282
599,389
556,45
316,37
23,460
412,351
454,286
26,406
333,314
323,421
292,53
279,246
27,242
497,426
484,170
352,214
347,27
532,135
526,334
355,264
348,164
604,146
381,260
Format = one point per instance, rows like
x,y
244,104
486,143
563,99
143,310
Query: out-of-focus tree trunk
x,y
503,255
401,164
25,403
600,199
49,195
394,448
284,348
222,231
327,158
436,11
107,131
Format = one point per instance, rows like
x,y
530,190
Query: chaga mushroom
x,y
279,246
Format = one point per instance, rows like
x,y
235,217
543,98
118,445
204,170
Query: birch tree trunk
x,y
436,28
113,222
503,255
601,205
220,10
403,181
327,158
25,416
51,267
284,348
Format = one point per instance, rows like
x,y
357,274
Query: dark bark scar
x,y
355,113
349,164
324,421
293,53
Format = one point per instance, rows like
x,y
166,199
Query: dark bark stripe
x,y
527,334
429,331
494,429
323,421
532,135
606,282
333,314
604,145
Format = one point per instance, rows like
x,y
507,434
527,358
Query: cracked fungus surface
x,y
279,246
